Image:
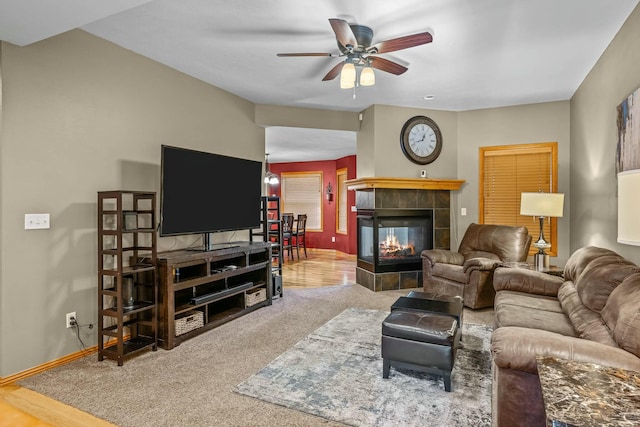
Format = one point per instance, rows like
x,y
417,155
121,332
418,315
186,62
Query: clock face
x,y
421,140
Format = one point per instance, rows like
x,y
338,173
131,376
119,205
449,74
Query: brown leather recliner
x,y
469,272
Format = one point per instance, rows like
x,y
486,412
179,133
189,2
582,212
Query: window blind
x,y
302,194
506,172
341,224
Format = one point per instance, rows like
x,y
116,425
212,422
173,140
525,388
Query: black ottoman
x,y
431,303
425,342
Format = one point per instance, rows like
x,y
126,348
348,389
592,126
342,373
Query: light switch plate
x,y
36,221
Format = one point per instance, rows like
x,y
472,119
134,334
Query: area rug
x,y
336,373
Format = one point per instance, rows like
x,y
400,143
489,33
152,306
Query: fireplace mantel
x,y
404,183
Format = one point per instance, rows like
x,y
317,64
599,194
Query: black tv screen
x,y
205,192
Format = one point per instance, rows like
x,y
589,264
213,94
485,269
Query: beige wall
x,y
272,115
365,144
1,185
385,158
83,115
593,141
525,124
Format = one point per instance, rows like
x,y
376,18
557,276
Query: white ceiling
x,y
484,54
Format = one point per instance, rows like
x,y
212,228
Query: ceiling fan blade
x,y
343,31
305,54
401,43
333,73
386,65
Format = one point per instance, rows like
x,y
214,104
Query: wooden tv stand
x,y
199,290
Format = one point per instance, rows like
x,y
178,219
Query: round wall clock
x,y
421,140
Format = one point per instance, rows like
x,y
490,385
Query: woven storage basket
x,y
255,296
190,321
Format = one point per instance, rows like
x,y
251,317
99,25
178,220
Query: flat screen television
x,y
206,192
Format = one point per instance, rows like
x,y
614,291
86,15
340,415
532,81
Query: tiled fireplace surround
x,y
391,193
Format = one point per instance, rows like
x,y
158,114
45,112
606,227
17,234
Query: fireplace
x,y
398,218
392,239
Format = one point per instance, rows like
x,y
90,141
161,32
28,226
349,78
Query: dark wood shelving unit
x,y
127,280
271,231
199,290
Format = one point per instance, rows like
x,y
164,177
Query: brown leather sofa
x,y
591,315
469,272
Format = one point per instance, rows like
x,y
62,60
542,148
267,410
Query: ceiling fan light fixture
x,y
367,76
348,76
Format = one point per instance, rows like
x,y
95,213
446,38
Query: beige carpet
x,y
192,384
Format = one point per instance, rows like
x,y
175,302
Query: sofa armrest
x,y
517,348
442,256
528,281
485,264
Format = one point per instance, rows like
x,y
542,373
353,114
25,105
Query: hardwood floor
x,y
20,407
322,267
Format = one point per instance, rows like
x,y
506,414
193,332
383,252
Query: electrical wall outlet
x,y
333,239
36,221
70,316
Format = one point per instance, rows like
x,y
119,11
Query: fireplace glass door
x,y
393,241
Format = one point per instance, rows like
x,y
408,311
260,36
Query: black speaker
x,y
277,286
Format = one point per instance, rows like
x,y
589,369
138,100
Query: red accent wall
x,y
322,240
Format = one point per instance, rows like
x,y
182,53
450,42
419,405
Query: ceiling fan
x,y
354,42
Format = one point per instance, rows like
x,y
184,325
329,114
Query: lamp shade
x,y
628,205
367,77
542,204
348,76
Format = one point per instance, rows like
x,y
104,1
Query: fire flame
x,y
392,247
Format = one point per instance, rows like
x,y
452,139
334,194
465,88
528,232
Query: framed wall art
x,y
628,133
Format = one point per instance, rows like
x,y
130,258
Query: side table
x,y
587,394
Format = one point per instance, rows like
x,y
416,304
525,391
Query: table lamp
x,y
542,205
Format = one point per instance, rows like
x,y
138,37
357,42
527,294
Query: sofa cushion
x,y
526,281
586,322
517,348
506,243
525,300
451,272
622,314
600,277
581,258
480,254
531,311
